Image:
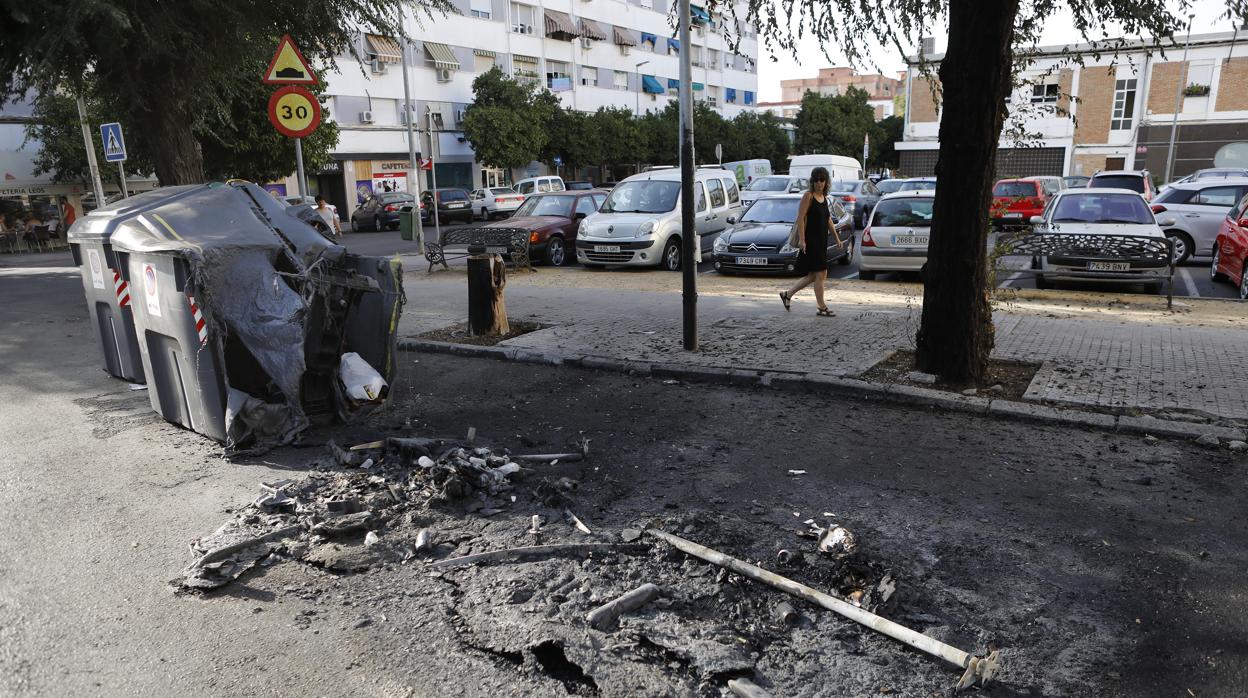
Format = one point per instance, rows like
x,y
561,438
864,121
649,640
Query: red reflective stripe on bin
x,y
201,326
122,289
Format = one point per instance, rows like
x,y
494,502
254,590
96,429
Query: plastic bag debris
x,y
362,382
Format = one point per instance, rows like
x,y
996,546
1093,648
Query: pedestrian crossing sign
x,y
114,143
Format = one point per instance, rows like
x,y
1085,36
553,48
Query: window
x,y
1124,105
585,205
620,80
700,191
523,18
598,199
734,196
589,76
695,55
524,68
712,58
1044,94
483,61
1223,197
558,78
716,189
481,8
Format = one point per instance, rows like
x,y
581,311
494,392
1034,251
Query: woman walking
x,y
813,223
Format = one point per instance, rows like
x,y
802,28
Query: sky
x,y
1060,30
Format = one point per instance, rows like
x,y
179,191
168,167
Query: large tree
x,y
757,134
172,64
507,121
835,124
955,335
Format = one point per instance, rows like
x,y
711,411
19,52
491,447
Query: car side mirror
x,y
1166,222
732,220
1036,220
1243,222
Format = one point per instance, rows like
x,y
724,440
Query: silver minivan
x,y
639,224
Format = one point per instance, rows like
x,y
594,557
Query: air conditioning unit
x,y
444,74
587,43
524,28
366,117
713,101
378,67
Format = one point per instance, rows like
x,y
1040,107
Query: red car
x,y
1015,201
552,219
1230,249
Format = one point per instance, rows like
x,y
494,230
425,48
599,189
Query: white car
x,y
773,185
494,202
540,185
1198,207
1101,214
895,238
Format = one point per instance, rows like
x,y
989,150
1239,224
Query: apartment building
x,y
1114,112
591,53
881,90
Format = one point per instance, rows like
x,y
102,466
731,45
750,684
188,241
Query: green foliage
x,y
55,127
883,152
618,135
506,122
757,135
835,124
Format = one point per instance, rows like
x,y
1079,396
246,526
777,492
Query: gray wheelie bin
x,y
109,301
243,311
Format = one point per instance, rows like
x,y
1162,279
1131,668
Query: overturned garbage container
x,y
244,312
109,302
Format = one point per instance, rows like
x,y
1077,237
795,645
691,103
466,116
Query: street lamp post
x,y
1178,98
688,230
637,98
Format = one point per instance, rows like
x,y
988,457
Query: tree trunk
x,y
487,313
956,336
175,150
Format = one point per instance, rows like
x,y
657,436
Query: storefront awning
x,y
649,39
673,45
651,85
559,26
699,15
484,52
384,48
442,55
591,30
624,37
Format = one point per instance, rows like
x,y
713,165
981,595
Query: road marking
x,y
1189,282
1013,277
851,276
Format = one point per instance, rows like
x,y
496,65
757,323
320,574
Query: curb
x,y
821,382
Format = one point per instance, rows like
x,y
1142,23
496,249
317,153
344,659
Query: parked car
x,y
578,185
838,166
858,195
896,238
453,204
539,185
380,211
1099,212
1230,252
1138,181
758,243
1073,181
493,202
1015,201
1198,209
889,186
1213,173
772,185
918,184
552,220
639,224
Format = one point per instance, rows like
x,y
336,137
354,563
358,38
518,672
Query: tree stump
x,y
487,312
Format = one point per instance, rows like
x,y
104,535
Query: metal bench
x,y
511,243
1132,249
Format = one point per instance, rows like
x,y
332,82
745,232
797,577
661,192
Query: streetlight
x,y
1178,96
637,97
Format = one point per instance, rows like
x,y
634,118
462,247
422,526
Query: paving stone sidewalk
x,y
1123,363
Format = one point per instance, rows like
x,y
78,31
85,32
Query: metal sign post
x,y
121,173
94,166
413,165
293,110
688,228
303,181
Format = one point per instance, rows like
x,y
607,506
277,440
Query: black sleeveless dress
x,y
815,258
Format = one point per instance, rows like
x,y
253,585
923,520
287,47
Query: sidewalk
x,y
1096,350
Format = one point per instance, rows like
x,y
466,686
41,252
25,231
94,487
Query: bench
x,y
1133,249
511,243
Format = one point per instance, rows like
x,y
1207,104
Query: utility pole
x,y
1178,102
96,184
413,165
433,170
688,227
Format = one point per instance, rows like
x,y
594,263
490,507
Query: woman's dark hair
x,y
818,174
320,199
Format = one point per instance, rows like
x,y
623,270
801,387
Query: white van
x,y
839,167
540,185
747,171
639,224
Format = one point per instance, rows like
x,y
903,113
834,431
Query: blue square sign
x,y
114,143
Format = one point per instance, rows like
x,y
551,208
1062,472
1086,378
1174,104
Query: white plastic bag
x,y
361,381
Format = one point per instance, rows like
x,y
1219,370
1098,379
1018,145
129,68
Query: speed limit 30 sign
x,y
294,111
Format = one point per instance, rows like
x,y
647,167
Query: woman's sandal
x,y
785,298
825,312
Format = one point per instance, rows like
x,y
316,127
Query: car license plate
x,y
455,205
1013,215
606,248
909,240
501,249
1109,266
757,261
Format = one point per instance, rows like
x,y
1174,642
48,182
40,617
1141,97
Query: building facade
x,y
1114,112
882,91
591,53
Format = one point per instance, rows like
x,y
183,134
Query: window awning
x,y
484,52
591,30
386,49
699,15
698,86
673,45
624,37
673,84
442,55
749,97
649,39
559,26
730,94
651,85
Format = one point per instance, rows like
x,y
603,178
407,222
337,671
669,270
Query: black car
x,y
758,243
380,212
858,195
578,186
453,204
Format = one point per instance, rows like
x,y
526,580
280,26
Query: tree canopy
x,y
836,124
507,122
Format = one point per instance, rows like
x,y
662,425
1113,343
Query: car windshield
x,y
1132,182
769,184
650,196
918,185
1014,189
777,210
452,195
395,198
888,186
547,206
841,185
1102,208
904,212
500,191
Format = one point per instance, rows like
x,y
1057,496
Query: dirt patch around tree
x,y
1005,379
458,333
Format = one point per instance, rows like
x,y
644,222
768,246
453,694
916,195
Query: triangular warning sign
x,y
288,66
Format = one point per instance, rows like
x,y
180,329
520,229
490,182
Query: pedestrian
x,y
813,224
68,216
329,215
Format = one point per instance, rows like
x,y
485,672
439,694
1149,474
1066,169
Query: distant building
x,y
881,90
1116,112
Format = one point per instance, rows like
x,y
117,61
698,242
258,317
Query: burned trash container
x,y
109,301
244,311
